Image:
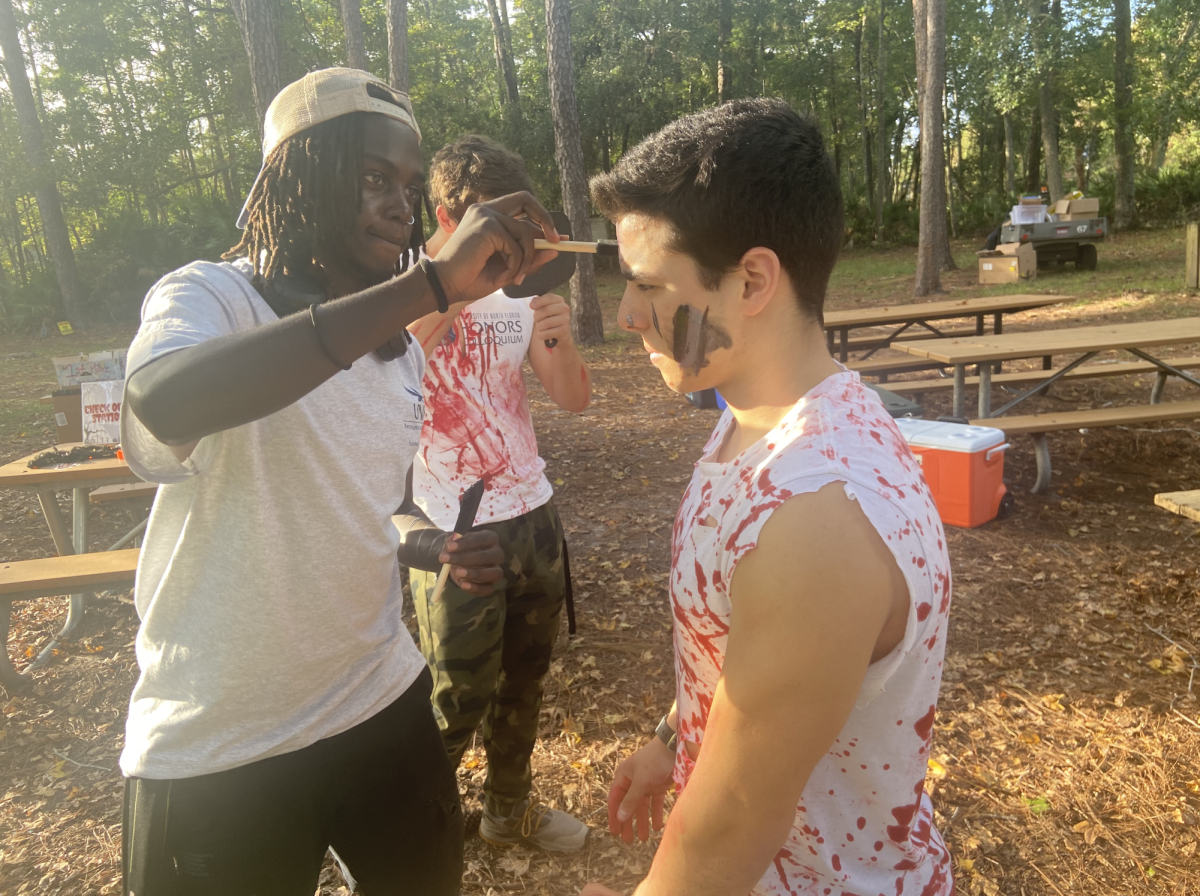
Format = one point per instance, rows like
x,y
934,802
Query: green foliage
x,y
148,108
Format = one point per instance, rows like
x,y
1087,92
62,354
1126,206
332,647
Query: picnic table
x,y
80,478
1086,342
905,317
1186,504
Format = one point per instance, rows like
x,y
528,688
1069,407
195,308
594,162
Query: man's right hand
x,y
639,787
493,246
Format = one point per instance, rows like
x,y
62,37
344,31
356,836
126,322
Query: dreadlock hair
x,y
308,199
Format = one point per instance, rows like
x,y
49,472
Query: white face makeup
x,y
681,323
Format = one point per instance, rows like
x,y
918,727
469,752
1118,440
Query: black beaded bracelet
x,y
443,304
312,316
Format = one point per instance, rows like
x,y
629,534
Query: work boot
x,y
534,824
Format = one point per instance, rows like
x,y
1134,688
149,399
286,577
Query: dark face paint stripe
x,y
654,319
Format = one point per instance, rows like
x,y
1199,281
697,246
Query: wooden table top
x,y
1039,343
899,314
89,474
1183,503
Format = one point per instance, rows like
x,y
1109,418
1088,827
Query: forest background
x,y
149,114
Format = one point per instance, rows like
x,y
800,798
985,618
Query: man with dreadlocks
x,y
282,706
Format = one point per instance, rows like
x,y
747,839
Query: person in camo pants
x,y
488,655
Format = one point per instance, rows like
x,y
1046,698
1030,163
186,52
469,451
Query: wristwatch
x,y
666,734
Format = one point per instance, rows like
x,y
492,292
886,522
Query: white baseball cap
x,y
320,96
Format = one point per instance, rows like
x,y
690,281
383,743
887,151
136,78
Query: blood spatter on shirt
x,y
838,433
477,423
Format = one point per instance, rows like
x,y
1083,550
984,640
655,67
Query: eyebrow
x,y
632,275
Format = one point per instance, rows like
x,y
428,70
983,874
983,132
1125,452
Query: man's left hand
x,y
551,318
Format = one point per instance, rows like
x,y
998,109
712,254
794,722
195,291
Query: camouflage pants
x,y
488,655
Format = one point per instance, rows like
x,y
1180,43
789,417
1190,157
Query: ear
x,y
760,275
445,221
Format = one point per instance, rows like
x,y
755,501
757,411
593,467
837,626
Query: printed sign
x,y
64,327
102,411
82,368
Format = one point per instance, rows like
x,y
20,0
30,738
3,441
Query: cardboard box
x,y
1062,206
1085,207
1008,265
68,415
1030,200
1079,217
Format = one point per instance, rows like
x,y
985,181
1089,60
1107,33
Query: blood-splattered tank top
x,y
477,422
864,824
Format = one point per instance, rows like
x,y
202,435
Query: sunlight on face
x,y
684,326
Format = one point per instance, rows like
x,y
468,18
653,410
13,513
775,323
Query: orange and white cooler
x,y
963,465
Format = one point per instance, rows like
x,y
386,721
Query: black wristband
x,y
312,316
667,735
431,277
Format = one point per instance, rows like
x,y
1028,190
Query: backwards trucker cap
x,y
320,96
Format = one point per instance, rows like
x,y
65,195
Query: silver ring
x,y
412,219
629,319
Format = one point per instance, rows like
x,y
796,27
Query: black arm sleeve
x,y
421,542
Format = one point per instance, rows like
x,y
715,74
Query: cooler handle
x,y
987,458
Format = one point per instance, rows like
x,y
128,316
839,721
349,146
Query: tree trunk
x,y
1124,210
352,24
397,29
54,225
929,22
1046,53
864,129
1033,157
881,145
1010,179
505,66
724,35
258,36
587,324
1081,168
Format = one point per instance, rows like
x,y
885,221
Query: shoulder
x,y
199,283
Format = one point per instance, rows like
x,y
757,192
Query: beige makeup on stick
x,y
602,247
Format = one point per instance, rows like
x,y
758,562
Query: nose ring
x,y
412,219
629,319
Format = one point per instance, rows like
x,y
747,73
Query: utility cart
x,y
1060,241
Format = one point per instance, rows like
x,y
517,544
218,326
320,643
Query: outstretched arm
x,y
814,604
230,380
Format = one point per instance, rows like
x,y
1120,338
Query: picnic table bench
x,y
77,569
1086,342
1021,377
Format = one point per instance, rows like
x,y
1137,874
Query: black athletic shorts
x,y
382,794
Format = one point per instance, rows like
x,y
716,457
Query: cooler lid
x,y
949,436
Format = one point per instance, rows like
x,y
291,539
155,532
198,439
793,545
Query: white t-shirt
x,y
864,823
477,422
268,585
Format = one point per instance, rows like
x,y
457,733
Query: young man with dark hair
x,y
282,706
809,583
489,654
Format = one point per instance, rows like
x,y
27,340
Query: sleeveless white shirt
x,y
864,823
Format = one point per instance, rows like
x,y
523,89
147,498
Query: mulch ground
x,y
1066,753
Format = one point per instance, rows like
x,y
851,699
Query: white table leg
x,y
79,539
985,389
960,387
